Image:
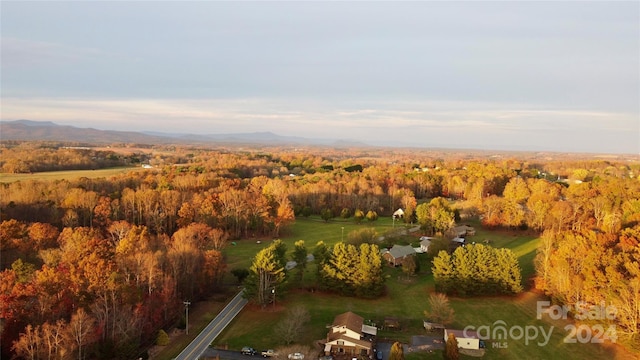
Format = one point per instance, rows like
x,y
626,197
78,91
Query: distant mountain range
x,y
28,130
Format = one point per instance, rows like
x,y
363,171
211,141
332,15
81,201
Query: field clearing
x,y
67,175
406,299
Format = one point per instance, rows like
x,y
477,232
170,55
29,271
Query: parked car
x,y
296,356
269,353
248,351
379,355
326,357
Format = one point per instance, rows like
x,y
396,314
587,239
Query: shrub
x,y
162,339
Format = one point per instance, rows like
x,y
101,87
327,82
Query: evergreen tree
x,y
300,257
443,272
396,352
321,255
340,267
266,275
369,280
162,339
353,271
510,275
477,269
280,249
451,351
464,274
326,214
240,274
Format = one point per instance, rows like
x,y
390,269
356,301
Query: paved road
x,y
198,346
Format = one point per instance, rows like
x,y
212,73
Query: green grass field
x,y
406,299
69,175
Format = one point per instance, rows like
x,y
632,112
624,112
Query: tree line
x,y
477,269
29,157
345,269
120,284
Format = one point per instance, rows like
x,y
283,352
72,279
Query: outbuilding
x,y
467,339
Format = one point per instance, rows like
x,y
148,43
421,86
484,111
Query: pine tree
x,y
443,272
353,271
369,280
464,275
340,268
300,257
509,269
451,351
396,352
266,274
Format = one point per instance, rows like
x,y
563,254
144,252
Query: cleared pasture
x,y
68,175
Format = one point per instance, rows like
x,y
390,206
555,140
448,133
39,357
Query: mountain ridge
x,y
30,130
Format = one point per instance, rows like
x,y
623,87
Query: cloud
x,y
17,52
398,122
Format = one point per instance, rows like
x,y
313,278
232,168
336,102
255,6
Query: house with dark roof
x,y
397,254
463,231
349,336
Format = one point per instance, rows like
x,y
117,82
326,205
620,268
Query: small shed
x,y
425,242
464,230
429,326
391,323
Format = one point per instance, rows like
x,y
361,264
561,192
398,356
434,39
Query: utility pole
x,y
186,307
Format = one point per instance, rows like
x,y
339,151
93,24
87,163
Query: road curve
x,y
198,346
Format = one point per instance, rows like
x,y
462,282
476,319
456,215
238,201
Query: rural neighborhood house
x,y
396,255
349,335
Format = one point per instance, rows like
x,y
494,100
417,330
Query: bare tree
x,y
81,330
441,312
291,326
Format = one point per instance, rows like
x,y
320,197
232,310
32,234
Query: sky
x,y
504,75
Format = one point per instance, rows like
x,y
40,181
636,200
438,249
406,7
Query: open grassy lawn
x,y
311,230
69,175
406,299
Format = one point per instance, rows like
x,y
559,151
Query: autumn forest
x,y
94,267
